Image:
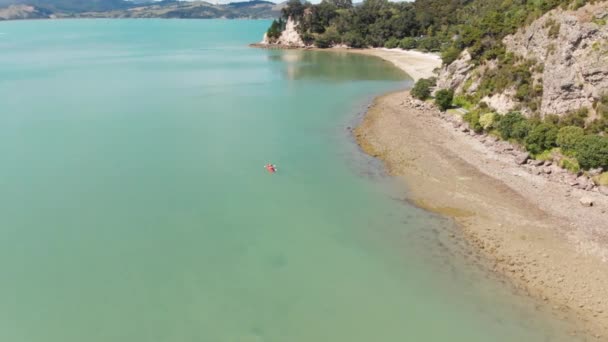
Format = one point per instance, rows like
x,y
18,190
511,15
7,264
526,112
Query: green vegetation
x,y
568,137
422,88
592,151
479,26
507,125
570,164
443,98
601,179
449,26
487,121
275,29
541,138
546,138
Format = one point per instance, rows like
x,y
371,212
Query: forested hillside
x,y
448,26
534,72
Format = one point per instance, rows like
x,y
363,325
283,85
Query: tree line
x,y
446,26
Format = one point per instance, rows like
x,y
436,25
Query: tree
x,y
443,98
277,26
354,39
340,3
391,43
294,9
408,43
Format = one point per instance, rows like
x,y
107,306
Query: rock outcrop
x,y
455,75
570,50
289,37
573,45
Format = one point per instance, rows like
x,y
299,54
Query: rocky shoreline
x,y
527,218
545,168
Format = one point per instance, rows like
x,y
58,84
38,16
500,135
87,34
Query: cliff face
x,y
570,54
289,37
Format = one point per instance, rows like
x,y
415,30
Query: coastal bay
x,y
135,204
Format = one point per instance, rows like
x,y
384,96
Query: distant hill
x,y
37,9
71,6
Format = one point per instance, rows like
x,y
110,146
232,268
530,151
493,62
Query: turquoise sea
x,y
134,205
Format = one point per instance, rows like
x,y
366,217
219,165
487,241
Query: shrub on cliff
x,y
449,55
568,136
422,89
592,152
443,98
473,118
542,137
575,118
275,29
508,123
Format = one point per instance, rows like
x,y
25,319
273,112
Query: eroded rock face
x,y
573,45
289,37
455,75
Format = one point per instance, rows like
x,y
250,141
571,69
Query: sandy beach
x,y
415,63
530,229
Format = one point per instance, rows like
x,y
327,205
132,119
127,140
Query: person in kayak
x,y
271,168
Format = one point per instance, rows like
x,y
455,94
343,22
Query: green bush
x,y
461,101
408,43
449,55
472,118
507,123
354,39
487,121
521,130
422,89
601,179
575,118
542,137
328,39
430,44
592,152
570,164
443,98
391,43
568,136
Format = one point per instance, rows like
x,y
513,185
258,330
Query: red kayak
x,y
271,168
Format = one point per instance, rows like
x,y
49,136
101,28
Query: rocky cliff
x,y
567,54
289,37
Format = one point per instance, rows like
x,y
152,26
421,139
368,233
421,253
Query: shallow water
x,y
135,206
